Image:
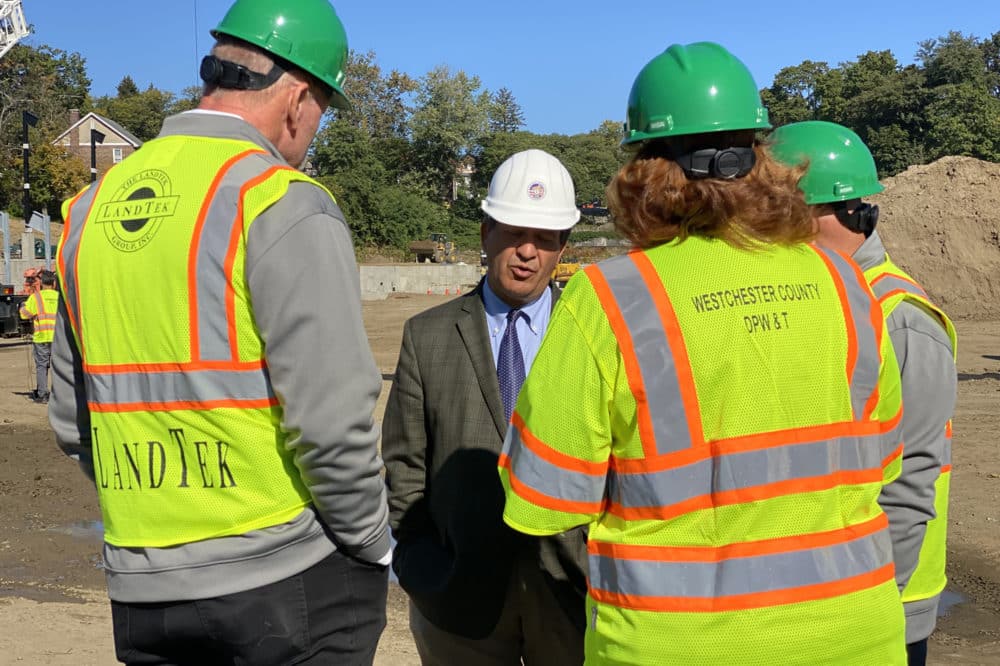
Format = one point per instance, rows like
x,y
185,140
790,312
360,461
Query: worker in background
x,y
481,594
720,405
228,403
40,307
841,172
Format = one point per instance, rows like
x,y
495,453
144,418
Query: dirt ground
x,y
52,604
940,221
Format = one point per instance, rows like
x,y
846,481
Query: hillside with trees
x,y
414,155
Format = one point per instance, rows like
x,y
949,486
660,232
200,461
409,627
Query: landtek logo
x,y
133,216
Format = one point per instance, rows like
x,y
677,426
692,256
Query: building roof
x,y
108,123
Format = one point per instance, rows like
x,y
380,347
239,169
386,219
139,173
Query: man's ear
x,y
297,96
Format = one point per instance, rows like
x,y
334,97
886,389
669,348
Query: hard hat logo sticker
x,y
133,216
536,191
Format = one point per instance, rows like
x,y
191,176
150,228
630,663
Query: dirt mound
x,y
941,223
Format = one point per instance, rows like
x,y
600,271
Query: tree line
x,y
414,155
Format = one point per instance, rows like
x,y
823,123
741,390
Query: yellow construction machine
x,y
437,249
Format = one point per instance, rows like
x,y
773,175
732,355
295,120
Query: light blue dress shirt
x,y
530,328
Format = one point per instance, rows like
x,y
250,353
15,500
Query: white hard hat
x,y
532,189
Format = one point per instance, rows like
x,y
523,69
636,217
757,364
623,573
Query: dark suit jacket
x,y
441,435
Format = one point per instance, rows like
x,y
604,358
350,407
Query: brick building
x,y
118,143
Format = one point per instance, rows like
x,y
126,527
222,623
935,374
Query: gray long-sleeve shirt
x,y
929,386
304,287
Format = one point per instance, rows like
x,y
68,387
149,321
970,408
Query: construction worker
x,y
841,172
720,405
481,594
40,308
244,512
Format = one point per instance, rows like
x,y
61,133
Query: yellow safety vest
x,y
892,286
724,421
42,306
185,426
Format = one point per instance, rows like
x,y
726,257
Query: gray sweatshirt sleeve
x,y
305,290
68,413
929,384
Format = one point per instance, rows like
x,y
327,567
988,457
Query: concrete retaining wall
x,y
380,280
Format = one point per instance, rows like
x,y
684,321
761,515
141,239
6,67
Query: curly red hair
x,y
653,202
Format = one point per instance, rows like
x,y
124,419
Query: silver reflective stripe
x,y
212,280
548,479
887,283
741,575
653,353
194,386
746,469
864,380
70,248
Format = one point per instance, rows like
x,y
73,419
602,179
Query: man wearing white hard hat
x,y
482,594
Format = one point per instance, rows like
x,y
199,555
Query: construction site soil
x,y
940,222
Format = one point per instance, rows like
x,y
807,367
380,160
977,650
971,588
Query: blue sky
x,y
569,64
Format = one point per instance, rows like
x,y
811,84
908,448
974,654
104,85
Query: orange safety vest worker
x,y
893,286
41,307
726,435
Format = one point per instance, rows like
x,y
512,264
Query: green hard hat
x,y
306,33
840,165
693,89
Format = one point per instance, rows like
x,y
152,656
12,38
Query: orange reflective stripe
x,y
678,349
747,601
776,438
632,371
852,341
126,368
234,239
712,500
70,243
263,403
193,252
550,455
537,498
740,549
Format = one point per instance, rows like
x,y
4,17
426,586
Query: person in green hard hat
x,y
841,173
733,415
204,281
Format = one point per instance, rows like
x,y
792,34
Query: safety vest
x,y
892,286
724,420
185,426
41,306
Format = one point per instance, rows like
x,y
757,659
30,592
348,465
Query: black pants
x,y
331,613
916,653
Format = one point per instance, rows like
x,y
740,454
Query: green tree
x,y
141,113
448,122
127,87
379,102
953,59
505,114
46,82
187,100
797,93
56,175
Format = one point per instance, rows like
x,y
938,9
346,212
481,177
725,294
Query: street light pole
x,y
95,138
27,118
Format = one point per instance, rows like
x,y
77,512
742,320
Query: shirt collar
x,y
496,309
871,253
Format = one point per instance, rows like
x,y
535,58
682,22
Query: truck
x,y
436,249
11,324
